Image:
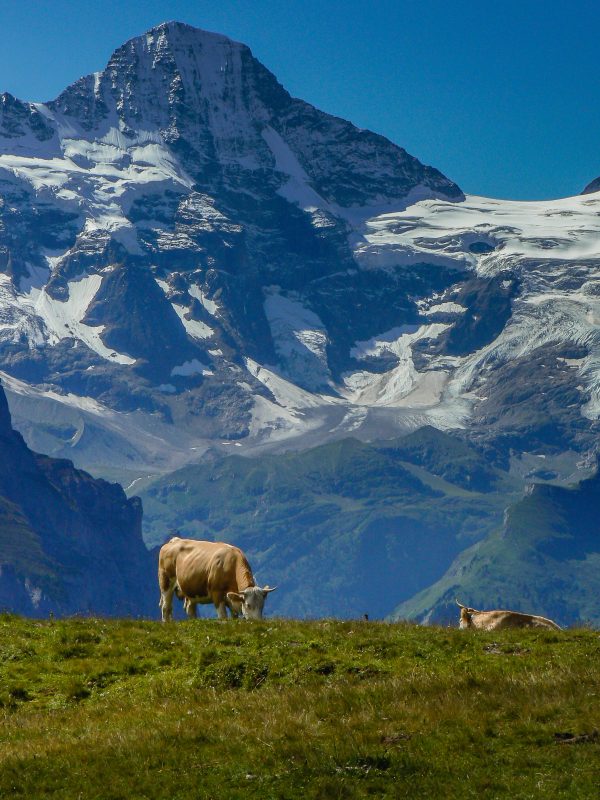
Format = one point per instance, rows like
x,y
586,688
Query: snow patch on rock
x,y
192,367
64,319
402,385
300,341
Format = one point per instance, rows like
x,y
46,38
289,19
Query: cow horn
x,y
460,605
268,588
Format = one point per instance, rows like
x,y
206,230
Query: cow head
x,y
251,600
466,616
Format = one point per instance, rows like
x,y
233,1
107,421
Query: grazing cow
x,y
495,620
208,572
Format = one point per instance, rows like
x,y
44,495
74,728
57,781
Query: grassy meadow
x,y
95,709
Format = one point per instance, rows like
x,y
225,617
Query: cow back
x,y
497,620
204,569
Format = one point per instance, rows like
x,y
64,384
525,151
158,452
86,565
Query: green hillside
x,y
545,559
124,710
343,529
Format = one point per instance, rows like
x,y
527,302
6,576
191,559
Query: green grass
x,y
103,710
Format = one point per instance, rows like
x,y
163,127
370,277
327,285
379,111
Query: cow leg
x,y
190,608
222,610
221,607
166,606
167,590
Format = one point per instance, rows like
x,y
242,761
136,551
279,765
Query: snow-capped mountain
x,y
190,257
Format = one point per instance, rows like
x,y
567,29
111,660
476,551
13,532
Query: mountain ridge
x,y
68,543
187,186
343,528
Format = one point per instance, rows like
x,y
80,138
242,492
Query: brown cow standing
x,y
208,572
495,620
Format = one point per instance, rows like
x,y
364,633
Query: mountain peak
x,y
171,78
207,97
174,31
180,41
183,183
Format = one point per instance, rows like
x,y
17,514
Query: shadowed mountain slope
x,y
68,543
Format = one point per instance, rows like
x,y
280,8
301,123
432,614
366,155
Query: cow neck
x,y
244,577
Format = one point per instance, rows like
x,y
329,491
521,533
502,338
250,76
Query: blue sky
x,y
501,96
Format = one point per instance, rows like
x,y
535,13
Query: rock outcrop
x,y
69,544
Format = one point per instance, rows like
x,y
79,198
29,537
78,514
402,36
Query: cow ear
x,y
239,598
268,589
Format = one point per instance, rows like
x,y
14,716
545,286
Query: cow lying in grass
x,y
208,572
495,620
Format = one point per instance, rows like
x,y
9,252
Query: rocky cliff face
x,y
68,543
